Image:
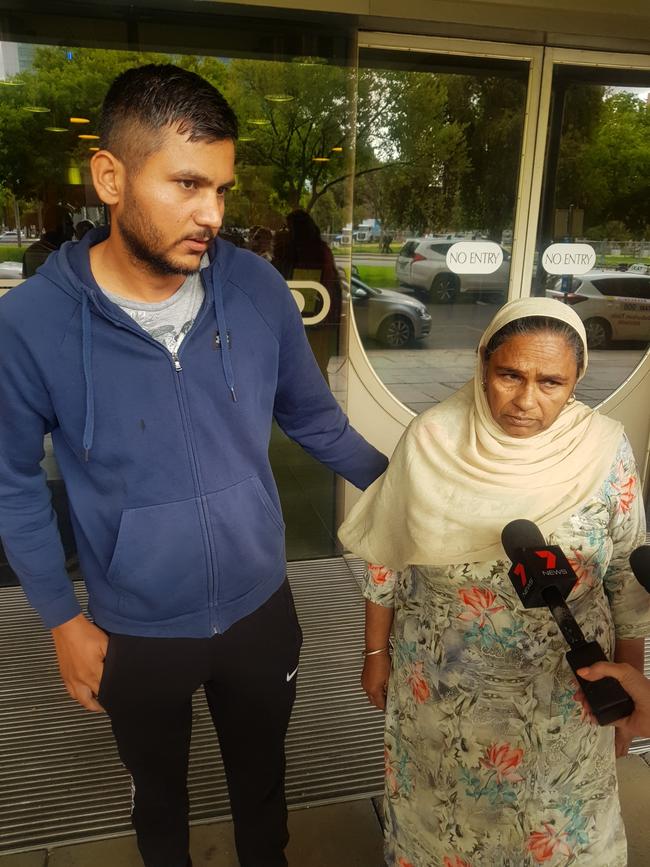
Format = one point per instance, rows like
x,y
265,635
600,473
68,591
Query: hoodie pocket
x,y
159,566
248,534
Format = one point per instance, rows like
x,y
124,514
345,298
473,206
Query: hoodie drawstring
x,y
223,337
86,350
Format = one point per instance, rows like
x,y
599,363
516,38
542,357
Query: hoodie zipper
x,y
203,512
180,394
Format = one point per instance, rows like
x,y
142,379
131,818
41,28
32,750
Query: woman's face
x,y
528,380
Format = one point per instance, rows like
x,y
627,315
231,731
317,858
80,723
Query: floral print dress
x,y
489,759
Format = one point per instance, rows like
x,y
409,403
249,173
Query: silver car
x,y
422,263
613,305
390,317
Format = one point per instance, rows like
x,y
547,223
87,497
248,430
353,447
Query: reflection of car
x,y
11,270
422,263
9,237
613,305
639,268
390,317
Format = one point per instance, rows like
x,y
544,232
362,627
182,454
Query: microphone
x,y
543,578
640,563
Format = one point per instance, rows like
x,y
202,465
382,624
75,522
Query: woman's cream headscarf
x,y
456,478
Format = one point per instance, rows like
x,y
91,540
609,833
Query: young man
x,y
158,356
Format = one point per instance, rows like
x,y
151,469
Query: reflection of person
x,y
260,241
57,228
161,435
301,254
637,687
488,759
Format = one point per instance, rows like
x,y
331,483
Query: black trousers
x,y
249,678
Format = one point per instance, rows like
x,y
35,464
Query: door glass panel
x,y
438,150
597,191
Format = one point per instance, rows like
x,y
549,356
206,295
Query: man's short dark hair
x,y
145,101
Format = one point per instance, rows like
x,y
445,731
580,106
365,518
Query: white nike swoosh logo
x,y
293,674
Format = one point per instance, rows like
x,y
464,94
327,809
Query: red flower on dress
x,y
584,568
379,574
391,778
455,861
626,493
503,759
544,844
480,602
404,863
419,686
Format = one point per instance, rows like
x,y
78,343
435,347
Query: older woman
x,y
490,760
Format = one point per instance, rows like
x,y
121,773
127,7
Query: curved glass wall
x,y
597,199
438,153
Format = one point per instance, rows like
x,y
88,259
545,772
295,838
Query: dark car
x,y
390,317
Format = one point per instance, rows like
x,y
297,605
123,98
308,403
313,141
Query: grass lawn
x,y
614,260
12,252
379,276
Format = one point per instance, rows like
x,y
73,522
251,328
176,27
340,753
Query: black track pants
x,y
249,677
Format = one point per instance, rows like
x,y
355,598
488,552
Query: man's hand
x,y
374,679
80,650
636,686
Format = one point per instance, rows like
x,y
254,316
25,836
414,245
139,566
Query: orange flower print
x,y
503,759
584,568
544,844
455,861
419,686
389,770
479,602
625,490
379,574
404,863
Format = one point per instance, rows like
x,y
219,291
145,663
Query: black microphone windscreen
x,y
521,534
640,563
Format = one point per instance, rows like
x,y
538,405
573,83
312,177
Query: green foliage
x,y
13,253
605,162
295,126
379,276
427,151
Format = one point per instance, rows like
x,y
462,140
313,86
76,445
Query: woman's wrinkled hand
x,y
374,679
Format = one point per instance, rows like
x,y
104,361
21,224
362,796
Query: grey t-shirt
x,y
166,321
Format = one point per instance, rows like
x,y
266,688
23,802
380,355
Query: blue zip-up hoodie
x,y
165,459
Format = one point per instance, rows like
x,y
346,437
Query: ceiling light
x,y
309,61
88,137
259,121
279,97
11,83
56,128
35,109
320,159
246,138
337,150
79,120
93,149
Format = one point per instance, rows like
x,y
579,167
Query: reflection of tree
x,y
451,147
491,110
433,151
604,164
297,119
